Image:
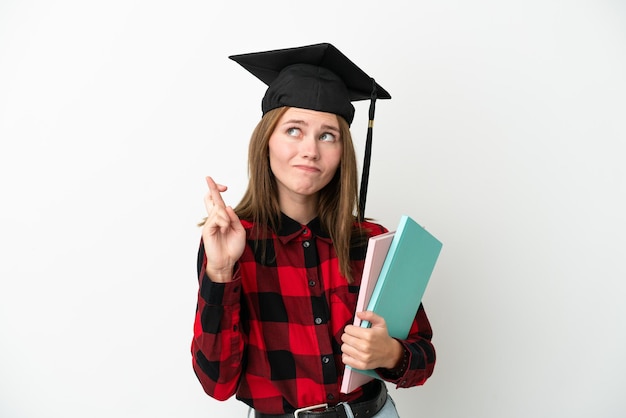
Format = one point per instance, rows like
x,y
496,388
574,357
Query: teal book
x,y
401,283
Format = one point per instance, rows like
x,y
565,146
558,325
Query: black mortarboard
x,y
317,77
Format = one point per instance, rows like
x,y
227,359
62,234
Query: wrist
x,y
398,358
220,276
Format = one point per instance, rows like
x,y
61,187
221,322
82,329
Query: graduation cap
x,y
317,77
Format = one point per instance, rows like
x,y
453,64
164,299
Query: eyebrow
x,y
302,122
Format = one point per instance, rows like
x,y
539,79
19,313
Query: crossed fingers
x,y
218,218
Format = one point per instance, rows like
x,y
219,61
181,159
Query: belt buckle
x,y
297,412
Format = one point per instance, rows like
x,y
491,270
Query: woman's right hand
x,y
223,235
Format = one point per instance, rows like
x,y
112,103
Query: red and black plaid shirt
x,y
272,336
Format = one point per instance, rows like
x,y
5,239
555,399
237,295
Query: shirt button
x,y
311,283
304,231
325,360
330,396
318,321
306,244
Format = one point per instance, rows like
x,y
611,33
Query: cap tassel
x,y
368,153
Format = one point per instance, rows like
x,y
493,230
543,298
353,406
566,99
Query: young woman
x,y
279,274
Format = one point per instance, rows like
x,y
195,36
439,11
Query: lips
x,y
308,168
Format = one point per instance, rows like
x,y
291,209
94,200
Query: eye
x,y
328,137
293,131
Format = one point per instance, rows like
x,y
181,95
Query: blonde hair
x,y
337,200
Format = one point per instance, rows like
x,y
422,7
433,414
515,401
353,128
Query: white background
x,y
504,138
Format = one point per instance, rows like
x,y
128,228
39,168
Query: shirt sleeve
x,y
418,362
218,341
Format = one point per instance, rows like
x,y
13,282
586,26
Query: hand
x,y
223,235
370,348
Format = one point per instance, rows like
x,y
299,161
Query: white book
x,y
377,249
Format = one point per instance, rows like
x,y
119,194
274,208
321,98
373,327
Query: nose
x,y
309,148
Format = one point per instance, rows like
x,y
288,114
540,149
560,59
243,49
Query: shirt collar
x,y
290,229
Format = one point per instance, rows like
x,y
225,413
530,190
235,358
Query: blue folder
x,y
403,278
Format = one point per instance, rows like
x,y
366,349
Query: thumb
x,y
372,318
234,219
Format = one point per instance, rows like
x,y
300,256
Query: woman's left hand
x,y
370,348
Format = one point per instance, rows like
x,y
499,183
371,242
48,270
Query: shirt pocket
x,y
343,302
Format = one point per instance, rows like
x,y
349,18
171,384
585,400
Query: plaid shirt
x,y
272,335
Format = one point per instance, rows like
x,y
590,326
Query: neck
x,y
302,210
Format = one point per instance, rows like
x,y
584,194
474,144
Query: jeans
x,y
388,410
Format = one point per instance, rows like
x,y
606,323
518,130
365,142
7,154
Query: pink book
x,y
377,249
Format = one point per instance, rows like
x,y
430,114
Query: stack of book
x,y
398,266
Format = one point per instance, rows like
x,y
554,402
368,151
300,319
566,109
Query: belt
x,y
363,409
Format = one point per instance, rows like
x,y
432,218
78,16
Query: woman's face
x,y
304,151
